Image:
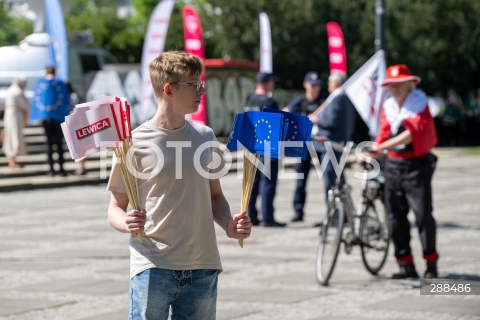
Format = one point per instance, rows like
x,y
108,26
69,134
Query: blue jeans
x,y
191,294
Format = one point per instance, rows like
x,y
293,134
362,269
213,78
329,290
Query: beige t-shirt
x,y
180,233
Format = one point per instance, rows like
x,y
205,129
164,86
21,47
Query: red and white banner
x,y
152,48
336,48
193,40
266,60
365,90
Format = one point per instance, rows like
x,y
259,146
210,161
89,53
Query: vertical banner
x,y
57,54
336,48
266,64
365,90
193,39
152,48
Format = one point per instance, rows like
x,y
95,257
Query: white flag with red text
x,y
96,126
266,60
152,47
365,91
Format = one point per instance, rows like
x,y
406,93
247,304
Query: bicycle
x,y
368,225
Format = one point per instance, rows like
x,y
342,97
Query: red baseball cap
x,y
399,73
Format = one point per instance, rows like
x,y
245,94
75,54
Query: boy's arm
x,y
238,226
127,222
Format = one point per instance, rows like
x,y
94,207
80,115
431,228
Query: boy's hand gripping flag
x,y
104,123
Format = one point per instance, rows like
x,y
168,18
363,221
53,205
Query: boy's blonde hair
x,y
171,66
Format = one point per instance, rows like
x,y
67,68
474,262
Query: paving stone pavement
x,y
59,259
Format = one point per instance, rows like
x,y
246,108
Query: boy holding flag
x,y
177,262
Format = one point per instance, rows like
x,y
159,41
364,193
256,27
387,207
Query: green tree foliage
x,y
438,39
122,37
12,29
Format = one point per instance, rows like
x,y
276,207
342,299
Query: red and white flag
x,y
336,48
97,125
365,90
266,60
193,40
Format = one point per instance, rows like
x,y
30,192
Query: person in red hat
x,y
407,131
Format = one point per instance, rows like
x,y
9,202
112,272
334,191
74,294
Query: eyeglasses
x,y
198,84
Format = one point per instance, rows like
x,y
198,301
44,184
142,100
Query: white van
x,y
29,59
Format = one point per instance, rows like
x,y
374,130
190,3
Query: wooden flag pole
x,y
326,102
250,163
131,182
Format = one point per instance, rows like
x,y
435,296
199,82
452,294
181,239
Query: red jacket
x,y
413,116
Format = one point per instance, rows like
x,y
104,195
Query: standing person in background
x,y
407,131
455,113
336,122
51,104
263,185
472,112
80,171
15,119
304,105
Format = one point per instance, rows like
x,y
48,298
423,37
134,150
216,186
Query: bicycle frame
x,y
343,190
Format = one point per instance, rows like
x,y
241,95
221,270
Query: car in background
x,y
29,58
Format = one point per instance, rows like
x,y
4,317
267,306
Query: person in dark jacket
x,y
336,122
263,185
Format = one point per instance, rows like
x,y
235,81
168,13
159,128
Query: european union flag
x,y
51,101
299,129
254,130
57,47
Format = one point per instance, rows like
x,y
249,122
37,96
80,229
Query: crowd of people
x,y
52,101
407,133
177,262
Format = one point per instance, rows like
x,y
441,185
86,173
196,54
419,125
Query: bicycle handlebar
x,y
335,145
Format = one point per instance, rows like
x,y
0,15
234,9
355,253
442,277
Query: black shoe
x,y
62,173
296,219
407,270
50,173
255,222
272,224
318,224
431,272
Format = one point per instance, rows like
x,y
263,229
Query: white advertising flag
x,y
152,48
365,91
265,44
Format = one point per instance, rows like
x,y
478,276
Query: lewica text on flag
x,y
93,128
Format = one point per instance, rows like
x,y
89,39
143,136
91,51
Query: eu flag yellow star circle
x,y
263,131
292,130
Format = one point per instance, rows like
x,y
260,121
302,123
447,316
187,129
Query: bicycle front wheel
x,y
375,238
330,240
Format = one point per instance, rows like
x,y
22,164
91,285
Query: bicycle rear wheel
x,y
330,240
375,238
